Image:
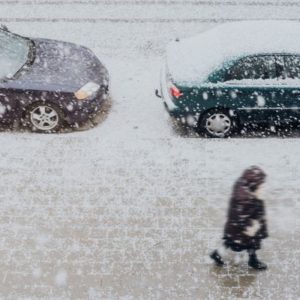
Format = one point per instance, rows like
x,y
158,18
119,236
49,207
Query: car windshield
x,y
14,52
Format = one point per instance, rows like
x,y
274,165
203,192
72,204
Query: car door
x,y
250,85
7,103
288,92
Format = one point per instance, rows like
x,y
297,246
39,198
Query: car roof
x,y
193,59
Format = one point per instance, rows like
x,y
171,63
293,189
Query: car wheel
x,y
44,118
217,123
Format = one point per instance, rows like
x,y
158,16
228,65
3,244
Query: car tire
x,y
217,123
44,118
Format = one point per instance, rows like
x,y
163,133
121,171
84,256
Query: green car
x,y
234,75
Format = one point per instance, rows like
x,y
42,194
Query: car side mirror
x,y
4,27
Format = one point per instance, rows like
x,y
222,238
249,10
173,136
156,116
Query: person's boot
x,y
255,263
216,257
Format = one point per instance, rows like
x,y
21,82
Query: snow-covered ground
x,y
131,208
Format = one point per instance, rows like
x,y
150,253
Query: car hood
x,y
61,66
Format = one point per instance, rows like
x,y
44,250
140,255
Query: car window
x,y
291,67
13,53
254,68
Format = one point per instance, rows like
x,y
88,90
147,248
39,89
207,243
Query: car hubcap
x,y
44,117
218,124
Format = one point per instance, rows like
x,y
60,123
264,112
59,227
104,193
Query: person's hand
x,y
252,230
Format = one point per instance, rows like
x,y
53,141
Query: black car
x,y
47,83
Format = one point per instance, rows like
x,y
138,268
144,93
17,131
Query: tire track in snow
x,y
133,20
152,2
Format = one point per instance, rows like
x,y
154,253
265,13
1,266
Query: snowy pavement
x,y
131,208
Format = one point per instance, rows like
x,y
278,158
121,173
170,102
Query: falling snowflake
x,y
204,96
2,109
261,101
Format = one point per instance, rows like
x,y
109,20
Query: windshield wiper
x,y
31,54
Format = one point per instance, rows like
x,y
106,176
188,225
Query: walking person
x,y
246,224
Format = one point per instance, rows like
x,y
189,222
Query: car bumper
x,y
80,112
168,102
173,110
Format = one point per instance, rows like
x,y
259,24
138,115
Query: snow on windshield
x,y
193,59
13,54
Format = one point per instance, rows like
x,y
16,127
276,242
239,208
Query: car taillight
x,y
175,92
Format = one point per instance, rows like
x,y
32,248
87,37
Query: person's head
x,y
254,177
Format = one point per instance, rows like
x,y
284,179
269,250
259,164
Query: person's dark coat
x,y
246,225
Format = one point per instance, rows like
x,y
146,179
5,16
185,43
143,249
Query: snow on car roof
x,y
192,59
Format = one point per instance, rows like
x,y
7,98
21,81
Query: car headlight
x,y
87,90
